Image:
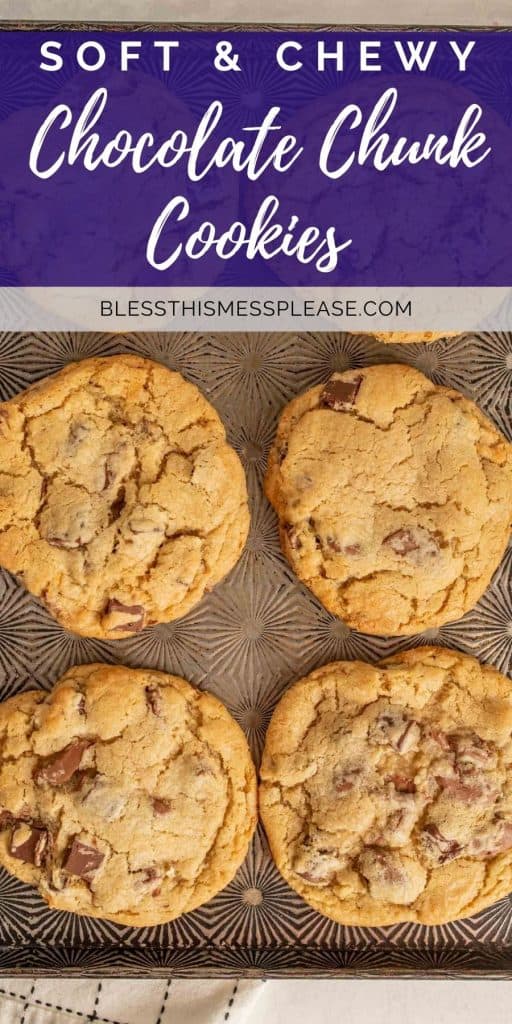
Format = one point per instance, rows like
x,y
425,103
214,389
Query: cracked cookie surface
x,y
386,791
394,498
124,794
121,502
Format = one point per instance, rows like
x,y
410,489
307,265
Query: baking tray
x,y
246,642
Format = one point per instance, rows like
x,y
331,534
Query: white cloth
x,y
195,1001
251,1002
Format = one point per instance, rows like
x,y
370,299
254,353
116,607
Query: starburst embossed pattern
x,y
247,642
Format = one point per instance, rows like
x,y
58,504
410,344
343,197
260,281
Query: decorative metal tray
x,y
246,642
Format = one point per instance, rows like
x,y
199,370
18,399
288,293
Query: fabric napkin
x,y
197,1001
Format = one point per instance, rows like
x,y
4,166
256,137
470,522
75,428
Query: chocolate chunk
x,y
283,452
377,863
496,838
142,525
391,876
440,738
401,542
346,549
29,843
161,806
148,428
293,537
342,785
77,432
317,874
333,544
65,543
64,765
310,876
109,476
340,394
83,776
154,700
150,874
402,784
6,820
409,738
149,878
392,726
82,860
351,549
47,600
471,750
317,864
345,779
117,506
132,613
406,540
469,789
444,849
320,869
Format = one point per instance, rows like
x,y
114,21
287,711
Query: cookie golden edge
x,y
359,619
237,827
43,395
412,337
473,891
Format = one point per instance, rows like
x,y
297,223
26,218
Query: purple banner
x,y
255,158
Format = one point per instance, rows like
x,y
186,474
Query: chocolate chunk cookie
x,y
394,498
410,337
386,791
121,502
124,794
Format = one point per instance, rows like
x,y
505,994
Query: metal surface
x,y
246,642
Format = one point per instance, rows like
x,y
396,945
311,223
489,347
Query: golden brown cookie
x,y
121,502
394,498
412,337
386,791
124,794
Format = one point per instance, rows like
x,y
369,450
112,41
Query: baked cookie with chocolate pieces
x,y
386,791
394,498
412,337
124,794
121,503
